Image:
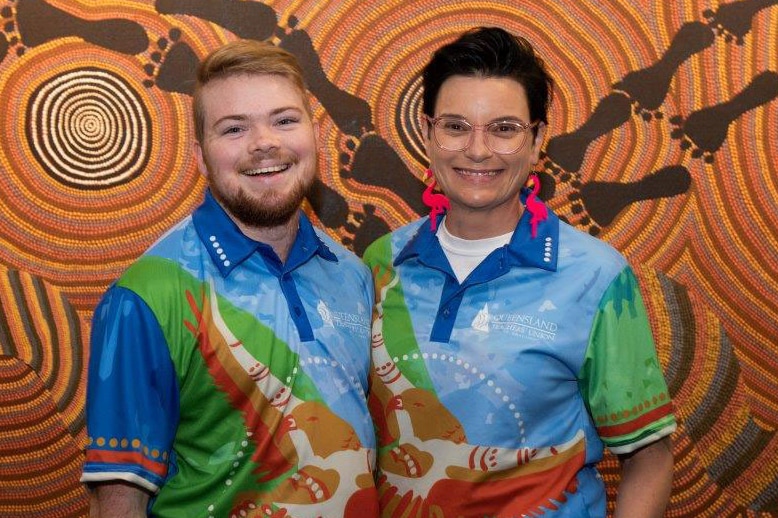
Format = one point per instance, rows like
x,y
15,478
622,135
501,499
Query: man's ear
x,y
317,136
201,165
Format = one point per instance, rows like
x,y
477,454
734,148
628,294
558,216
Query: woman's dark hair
x,y
490,52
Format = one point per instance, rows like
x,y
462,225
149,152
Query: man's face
x,y
479,183
259,148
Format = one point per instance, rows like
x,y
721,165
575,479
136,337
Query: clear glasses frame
x,y
443,134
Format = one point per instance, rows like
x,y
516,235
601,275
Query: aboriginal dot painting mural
x,y
663,141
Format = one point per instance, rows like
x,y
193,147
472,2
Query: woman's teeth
x,y
471,172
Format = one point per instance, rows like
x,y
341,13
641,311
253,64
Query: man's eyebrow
x,y
235,117
283,109
240,117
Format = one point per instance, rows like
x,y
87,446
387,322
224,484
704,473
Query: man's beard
x,y
265,211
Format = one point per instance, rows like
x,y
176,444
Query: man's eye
x,y
287,121
232,129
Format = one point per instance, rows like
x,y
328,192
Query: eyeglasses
x,y
501,137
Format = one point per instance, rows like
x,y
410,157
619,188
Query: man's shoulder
x,y
176,240
160,263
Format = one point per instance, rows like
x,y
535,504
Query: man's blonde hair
x,y
244,57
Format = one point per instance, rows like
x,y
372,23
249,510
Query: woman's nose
x,y
478,149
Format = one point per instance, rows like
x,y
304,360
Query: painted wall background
x,y
663,139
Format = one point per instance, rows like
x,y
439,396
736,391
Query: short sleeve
x,y
621,379
132,395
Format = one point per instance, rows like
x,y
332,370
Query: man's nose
x,y
263,139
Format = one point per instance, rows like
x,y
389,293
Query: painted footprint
x,y
39,22
173,65
704,131
733,20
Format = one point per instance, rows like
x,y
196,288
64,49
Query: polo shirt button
x,y
297,311
446,313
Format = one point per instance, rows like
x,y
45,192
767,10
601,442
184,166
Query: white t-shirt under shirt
x,y
465,254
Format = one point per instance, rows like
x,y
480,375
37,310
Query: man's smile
x,y
267,170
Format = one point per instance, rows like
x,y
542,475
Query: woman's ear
x,y
537,142
426,134
426,127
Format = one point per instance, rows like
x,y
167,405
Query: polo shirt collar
x,y
228,246
522,250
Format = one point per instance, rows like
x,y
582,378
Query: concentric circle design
x,y
89,128
407,118
95,166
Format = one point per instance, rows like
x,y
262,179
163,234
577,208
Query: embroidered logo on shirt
x,y
481,320
518,324
354,323
546,306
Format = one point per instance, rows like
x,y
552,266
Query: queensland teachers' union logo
x,y
518,324
352,322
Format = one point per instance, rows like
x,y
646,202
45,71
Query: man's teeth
x,y
267,170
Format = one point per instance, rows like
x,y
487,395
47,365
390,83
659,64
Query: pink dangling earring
x,y
536,207
437,202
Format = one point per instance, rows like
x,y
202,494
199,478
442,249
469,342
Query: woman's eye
x,y
506,128
454,126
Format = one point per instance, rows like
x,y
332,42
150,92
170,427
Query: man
x,y
229,364
508,347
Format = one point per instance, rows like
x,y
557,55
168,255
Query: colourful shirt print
x,y
229,383
494,397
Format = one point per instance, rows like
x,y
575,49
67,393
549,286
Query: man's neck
x,y
280,238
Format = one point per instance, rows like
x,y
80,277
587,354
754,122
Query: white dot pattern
x,y
235,465
468,369
220,251
327,362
